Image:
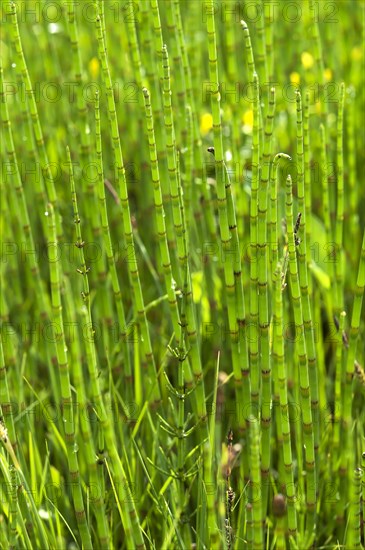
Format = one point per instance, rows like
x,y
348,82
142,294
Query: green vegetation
x,y
182,358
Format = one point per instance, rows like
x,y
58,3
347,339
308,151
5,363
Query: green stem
x,y
305,390
132,265
64,378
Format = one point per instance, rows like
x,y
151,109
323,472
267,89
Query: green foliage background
x,y
157,378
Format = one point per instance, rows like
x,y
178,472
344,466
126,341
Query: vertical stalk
x,y
254,341
263,307
26,228
46,166
183,381
90,207
132,264
198,174
85,425
157,110
179,75
64,378
353,535
255,480
339,264
318,54
122,324
305,391
303,277
330,244
252,72
347,449
180,232
13,508
128,515
338,392
171,164
307,185
160,218
225,234
269,27
352,234
281,158
240,300
261,48
280,367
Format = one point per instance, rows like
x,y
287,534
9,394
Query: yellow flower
x,y
206,123
247,118
295,78
327,75
318,107
307,60
356,53
94,67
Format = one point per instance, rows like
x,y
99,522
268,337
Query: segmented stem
x,y
339,264
128,514
132,264
305,391
122,324
64,378
303,276
279,366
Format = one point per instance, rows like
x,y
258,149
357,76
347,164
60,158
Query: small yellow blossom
x,y
328,75
206,123
94,67
295,78
356,53
247,118
307,60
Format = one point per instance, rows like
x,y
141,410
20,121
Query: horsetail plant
x,y
127,223
307,185
225,233
305,390
263,306
49,183
340,201
109,249
303,275
280,158
64,378
184,365
348,452
130,520
158,113
253,347
160,219
180,232
280,369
